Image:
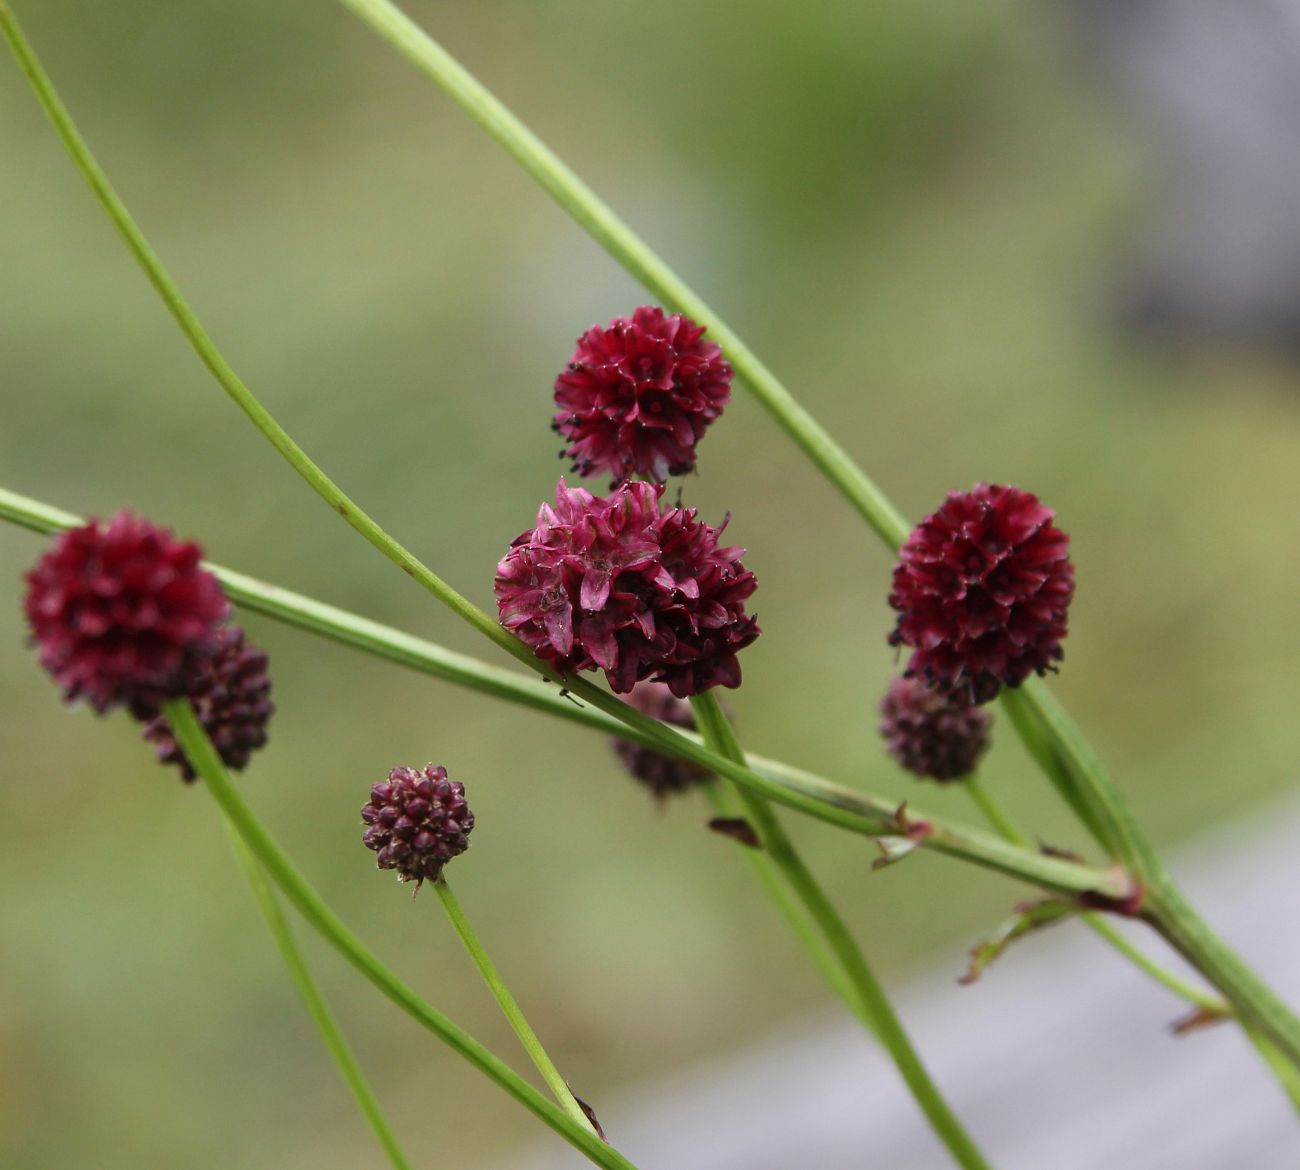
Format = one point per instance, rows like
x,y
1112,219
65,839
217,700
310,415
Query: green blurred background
x,y
911,208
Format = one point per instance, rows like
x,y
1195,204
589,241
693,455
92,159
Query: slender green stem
x,y
319,1011
1097,922
510,1008
874,1002
273,860
1209,1004
810,938
997,819
1254,1002
1285,1072
784,783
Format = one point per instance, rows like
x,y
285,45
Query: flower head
x,y
123,614
981,588
637,396
662,774
617,584
416,822
232,698
930,734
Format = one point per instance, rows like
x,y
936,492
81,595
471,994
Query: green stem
x,y
510,1008
810,938
1210,1004
783,783
869,992
1097,922
1285,1072
1254,1002
319,1011
273,860
996,818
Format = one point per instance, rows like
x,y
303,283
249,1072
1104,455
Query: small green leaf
x,y
1030,916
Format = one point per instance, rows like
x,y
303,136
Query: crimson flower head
x,y
931,735
416,822
616,583
232,699
981,588
123,614
637,396
661,773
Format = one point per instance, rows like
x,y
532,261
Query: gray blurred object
x,y
1214,90
1060,1058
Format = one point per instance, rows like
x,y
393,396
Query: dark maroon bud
x,y
418,822
929,733
232,699
661,773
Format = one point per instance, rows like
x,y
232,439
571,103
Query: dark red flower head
x,y
930,734
981,590
123,614
615,583
232,698
416,822
637,396
662,774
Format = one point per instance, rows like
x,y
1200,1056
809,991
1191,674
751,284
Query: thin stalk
x,y
1255,1003
1091,793
792,910
510,1007
319,1011
1283,1069
997,819
275,862
783,783
868,990
1003,824
1210,1004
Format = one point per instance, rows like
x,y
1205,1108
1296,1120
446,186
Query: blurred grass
x,y
910,211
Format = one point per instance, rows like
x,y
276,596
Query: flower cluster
x,y
931,735
416,822
618,584
662,774
232,699
123,614
637,396
981,588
